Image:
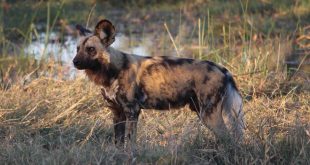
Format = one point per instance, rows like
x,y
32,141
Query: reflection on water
x,y
122,43
65,51
60,51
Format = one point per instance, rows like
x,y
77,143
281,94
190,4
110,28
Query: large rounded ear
x,y
82,31
106,32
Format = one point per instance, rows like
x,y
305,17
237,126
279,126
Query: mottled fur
x,y
131,83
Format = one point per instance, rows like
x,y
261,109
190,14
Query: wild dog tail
x,y
232,109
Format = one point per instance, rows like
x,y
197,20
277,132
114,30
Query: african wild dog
x,y
131,83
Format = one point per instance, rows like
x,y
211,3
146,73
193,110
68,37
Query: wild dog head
x,y
92,48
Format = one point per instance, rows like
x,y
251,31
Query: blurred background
x,y
50,113
216,30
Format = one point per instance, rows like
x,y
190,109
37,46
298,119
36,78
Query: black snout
x,y
85,63
76,62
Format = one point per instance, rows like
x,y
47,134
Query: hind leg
x,y
233,120
214,121
233,114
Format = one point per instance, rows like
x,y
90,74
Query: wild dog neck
x,y
108,72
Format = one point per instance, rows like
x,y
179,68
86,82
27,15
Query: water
x,y
65,51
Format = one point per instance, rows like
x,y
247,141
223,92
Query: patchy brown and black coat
x,y
131,83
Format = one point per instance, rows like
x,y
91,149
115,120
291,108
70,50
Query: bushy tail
x,y
232,111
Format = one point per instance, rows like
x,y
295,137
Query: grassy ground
x,y
46,118
64,122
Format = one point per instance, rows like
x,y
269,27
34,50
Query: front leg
x,y
119,120
132,115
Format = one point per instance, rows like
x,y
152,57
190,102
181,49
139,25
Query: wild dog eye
x,y
90,49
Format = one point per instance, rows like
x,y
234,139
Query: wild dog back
x,y
170,82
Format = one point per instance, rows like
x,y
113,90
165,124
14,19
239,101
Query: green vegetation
x,y
48,118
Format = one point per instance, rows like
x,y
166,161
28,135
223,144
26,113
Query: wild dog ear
x,y
82,31
106,32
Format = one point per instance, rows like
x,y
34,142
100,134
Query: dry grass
x,y
64,122
50,120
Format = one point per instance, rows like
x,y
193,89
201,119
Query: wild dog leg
x,y
132,116
215,122
119,121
